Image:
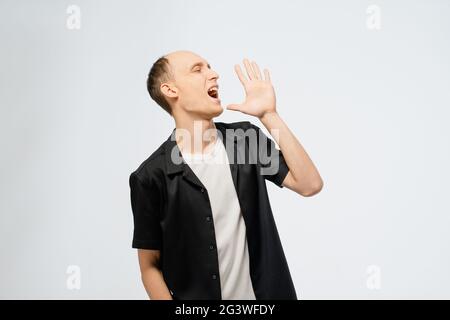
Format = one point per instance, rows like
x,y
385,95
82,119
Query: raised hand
x,y
260,95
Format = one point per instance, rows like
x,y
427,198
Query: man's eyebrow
x,y
199,64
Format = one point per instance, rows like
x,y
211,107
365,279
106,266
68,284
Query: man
x,y
204,229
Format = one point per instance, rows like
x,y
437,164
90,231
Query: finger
x,y
249,69
240,74
266,75
256,70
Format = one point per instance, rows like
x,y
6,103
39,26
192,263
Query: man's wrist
x,y
267,116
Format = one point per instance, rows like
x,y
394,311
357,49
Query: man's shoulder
x,y
235,125
152,166
240,129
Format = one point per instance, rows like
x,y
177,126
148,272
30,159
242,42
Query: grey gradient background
x,y
371,107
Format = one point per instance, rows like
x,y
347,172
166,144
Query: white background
x,y
371,107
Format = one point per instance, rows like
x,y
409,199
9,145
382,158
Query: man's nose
x,y
214,75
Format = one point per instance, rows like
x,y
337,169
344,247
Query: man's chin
x,y
219,110
216,109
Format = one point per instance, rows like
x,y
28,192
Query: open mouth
x,y
214,93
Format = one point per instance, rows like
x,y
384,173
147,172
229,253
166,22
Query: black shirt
x,y
172,213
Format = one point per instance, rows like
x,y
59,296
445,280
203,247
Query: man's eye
x,y
197,69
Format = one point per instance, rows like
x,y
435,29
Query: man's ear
x,y
169,90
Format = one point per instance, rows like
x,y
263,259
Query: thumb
x,y
235,107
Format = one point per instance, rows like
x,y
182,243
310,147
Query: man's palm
x,y
260,94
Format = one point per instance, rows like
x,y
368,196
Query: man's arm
x,y
147,235
303,176
151,275
260,102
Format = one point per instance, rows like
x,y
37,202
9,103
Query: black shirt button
x,y
211,247
202,190
214,276
208,218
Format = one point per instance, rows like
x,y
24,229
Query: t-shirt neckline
x,y
203,156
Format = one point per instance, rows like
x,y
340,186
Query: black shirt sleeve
x,y
271,162
146,204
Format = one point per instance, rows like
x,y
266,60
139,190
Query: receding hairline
x,y
201,60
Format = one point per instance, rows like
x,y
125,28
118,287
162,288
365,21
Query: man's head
x,y
179,83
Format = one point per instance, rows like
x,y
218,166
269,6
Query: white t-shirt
x,y
213,170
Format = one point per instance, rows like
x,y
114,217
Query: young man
x,y
203,224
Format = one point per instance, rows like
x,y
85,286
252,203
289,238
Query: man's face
x,y
193,79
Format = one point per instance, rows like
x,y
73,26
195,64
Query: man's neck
x,y
195,136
